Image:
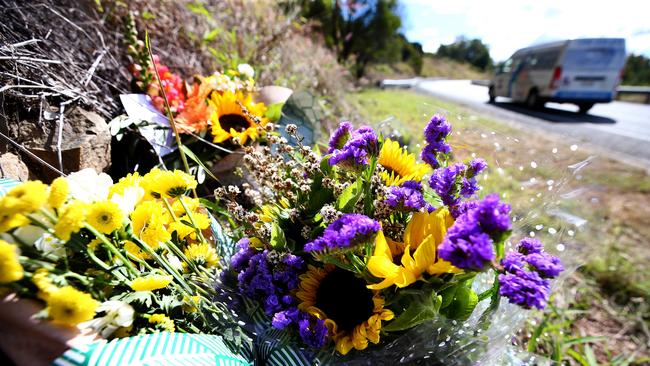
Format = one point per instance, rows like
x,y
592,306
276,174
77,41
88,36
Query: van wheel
x,y
491,94
532,101
583,108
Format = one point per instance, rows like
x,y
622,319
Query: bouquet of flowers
x,y
208,118
367,254
119,259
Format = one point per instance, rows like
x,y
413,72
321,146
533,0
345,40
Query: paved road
x,y
619,129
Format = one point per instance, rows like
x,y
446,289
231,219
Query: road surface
x,y
618,129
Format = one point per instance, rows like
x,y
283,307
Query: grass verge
x,y
594,212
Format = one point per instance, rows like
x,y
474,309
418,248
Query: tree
x,y
362,31
637,70
474,52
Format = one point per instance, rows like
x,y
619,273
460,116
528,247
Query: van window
x,y
544,60
593,58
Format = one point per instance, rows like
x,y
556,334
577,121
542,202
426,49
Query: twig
x,y
20,44
168,108
33,59
31,154
91,71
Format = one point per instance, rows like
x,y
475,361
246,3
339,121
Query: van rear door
x,y
590,70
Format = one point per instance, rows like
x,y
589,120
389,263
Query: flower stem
x,y
111,248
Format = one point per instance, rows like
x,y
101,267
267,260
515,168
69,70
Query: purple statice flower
x,y
347,231
444,182
548,266
437,129
469,243
312,331
340,137
513,262
407,197
466,246
435,134
524,288
267,276
462,207
526,271
492,214
530,246
476,166
360,145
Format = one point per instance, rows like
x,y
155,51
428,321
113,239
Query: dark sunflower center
x,y
392,171
105,218
235,121
345,299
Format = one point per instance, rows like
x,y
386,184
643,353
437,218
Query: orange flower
x,y
194,118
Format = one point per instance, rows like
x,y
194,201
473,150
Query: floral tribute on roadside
x,y
355,253
121,259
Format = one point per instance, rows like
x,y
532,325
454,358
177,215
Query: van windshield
x,y
601,58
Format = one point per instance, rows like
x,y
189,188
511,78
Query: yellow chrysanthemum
x,y
71,220
131,180
162,322
399,164
190,303
202,222
352,313
10,220
27,197
151,283
135,251
68,305
10,268
202,254
229,119
105,216
148,221
59,191
423,234
192,205
167,184
41,279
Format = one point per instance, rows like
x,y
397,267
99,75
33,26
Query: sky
x,y
508,25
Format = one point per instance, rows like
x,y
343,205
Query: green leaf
x,y
274,111
198,8
462,304
448,296
278,240
192,156
349,197
212,35
417,312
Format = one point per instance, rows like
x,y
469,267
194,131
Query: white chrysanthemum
x,y
246,70
118,315
128,199
88,186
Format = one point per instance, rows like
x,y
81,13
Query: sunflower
x,y
68,305
230,120
105,216
399,164
423,234
352,313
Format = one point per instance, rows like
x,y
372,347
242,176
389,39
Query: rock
x,y
12,167
85,141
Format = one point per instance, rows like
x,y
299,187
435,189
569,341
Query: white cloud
x,y
508,25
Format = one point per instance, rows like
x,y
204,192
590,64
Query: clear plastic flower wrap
x,y
446,277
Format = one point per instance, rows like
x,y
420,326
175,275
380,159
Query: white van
x,y
579,71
